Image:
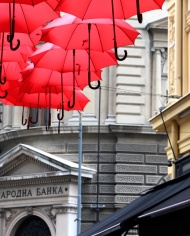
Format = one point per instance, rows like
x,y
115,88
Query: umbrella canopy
x,y
114,9
70,32
10,71
35,80
42,100
24,18
56,58
89,9
53,57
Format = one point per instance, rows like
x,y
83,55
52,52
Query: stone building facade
x,y
122,155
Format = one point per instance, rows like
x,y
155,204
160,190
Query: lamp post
x,y
79,176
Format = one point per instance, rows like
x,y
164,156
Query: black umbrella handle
x,y
24,121
115,40
5,95
139,15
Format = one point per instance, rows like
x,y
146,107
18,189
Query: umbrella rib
x,y
86,9
122,9
25,19
128,35
71,35
99,36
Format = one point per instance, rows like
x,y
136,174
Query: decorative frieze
x,y
156,159
93,199
107,147
51,148
136,168
89,188
124,178
121,157
130,189
153,179
163,169
125,199
137,148
102,157
107,168
107,189
161,149
74,147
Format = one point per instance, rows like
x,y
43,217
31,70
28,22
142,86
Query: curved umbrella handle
x,y
139,15
116,53
36,121
17,46
4,96
5,79
69,102
59,127
62,115
48,122
24,121
89,82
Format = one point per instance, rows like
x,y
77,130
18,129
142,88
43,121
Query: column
x,y
7,117
2,221
17,117
66,223
156,80
186,80
178,47
111,119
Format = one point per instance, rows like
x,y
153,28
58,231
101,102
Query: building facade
x,y
122,155
176,113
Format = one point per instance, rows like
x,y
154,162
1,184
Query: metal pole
x,y
79,176
98,159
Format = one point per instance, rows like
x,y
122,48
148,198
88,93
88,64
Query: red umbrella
x,y
42,80
24,18
56,58
6,55
42,100
114,9
35,80
70,32
10,71
123,9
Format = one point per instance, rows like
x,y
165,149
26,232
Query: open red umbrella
x,y
24,18
123,9
114,9
42,80
35,80
70,32
42,100
53,57
7,55
56,58
11,73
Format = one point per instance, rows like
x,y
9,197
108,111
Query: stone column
x,y
7,117
156,79
186,80
17,118
2,221
111,119
66,223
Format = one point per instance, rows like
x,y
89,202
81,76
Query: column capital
x,y
160,50
67,208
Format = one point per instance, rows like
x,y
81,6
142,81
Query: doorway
x,y
33,226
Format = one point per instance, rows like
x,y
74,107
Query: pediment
x,y
28,162
159,24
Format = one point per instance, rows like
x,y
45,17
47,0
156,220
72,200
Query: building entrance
x,y
33,226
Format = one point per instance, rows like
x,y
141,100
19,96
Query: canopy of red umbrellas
x,y
51,50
